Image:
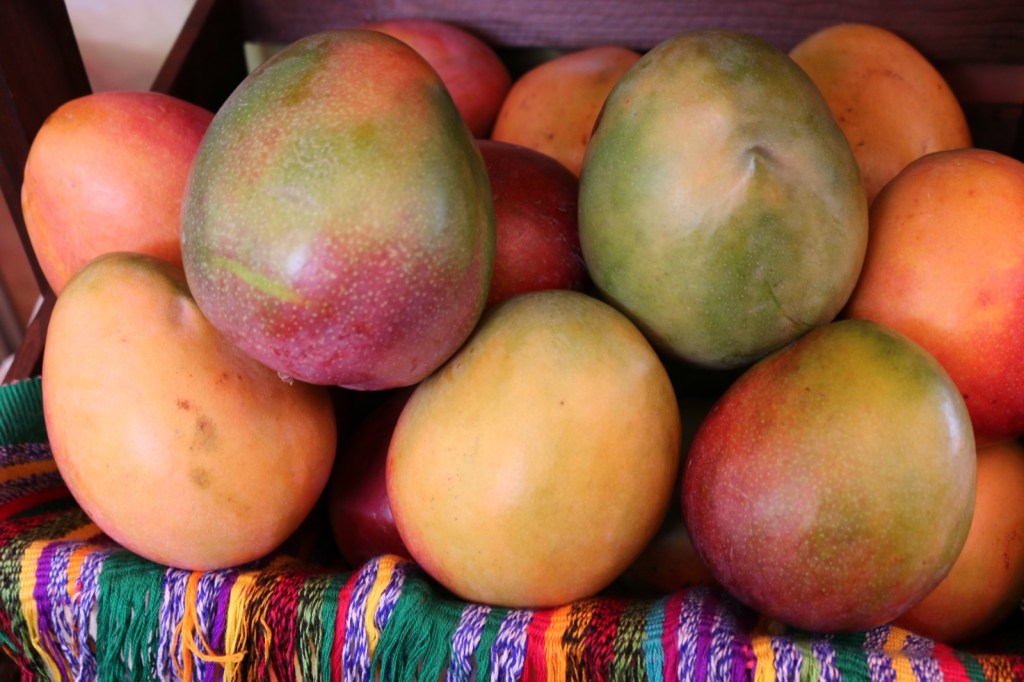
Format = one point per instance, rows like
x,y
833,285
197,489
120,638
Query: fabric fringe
x,y
76,606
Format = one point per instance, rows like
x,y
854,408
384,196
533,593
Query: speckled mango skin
x,y
832,485
535,466
176,444
338,223
720,204
945,266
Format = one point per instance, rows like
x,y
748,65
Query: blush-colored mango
x,y
945,266
107,172
338,223
552,107
891,102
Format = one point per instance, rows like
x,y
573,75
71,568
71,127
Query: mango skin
x,y
535,466
832,486
338,223
945,266
892,104
721,207
177,445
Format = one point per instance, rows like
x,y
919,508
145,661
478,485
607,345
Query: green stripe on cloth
x,y
21,412
416,641
128,617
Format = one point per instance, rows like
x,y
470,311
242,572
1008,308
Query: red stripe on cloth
x,y
338,645
282,621
600,637
951,666
26,502
536,667
670,634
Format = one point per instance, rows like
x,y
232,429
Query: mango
x,y
891,102
832,486
338,223
536,465
107,172
176,444
945,266
721,207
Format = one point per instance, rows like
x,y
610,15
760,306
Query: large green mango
x,y
721,207
338,224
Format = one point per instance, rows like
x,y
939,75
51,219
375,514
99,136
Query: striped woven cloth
x,y
74,605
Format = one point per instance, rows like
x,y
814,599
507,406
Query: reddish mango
x,y
338,223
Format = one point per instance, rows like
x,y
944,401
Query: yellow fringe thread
x,y
237,626
187,631
554,653
385,569
29,561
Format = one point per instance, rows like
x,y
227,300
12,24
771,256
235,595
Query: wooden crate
x,y
979,47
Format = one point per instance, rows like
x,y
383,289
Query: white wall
x,y
124,42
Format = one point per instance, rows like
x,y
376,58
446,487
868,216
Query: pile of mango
x,y
710,313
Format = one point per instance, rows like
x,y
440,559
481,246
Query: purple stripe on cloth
x,y
788,658
355,658
879,663
922,660
44,605
690,616
85,605
220,623
22,453
828,669
508,653
722,639
465,640
389,597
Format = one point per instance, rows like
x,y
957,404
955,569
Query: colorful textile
x,y
74,605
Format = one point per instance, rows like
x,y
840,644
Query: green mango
x,y
721,206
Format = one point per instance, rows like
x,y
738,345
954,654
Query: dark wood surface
x,y
40,68
944,30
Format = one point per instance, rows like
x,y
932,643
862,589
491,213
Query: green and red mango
x,y
338,223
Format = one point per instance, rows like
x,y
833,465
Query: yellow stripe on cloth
x,y
554,653
236,628
29,564
189,636
764,655
26,469
893,646
385,571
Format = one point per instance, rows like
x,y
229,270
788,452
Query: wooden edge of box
x,y
207,61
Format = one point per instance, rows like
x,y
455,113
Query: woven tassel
x,y
628,656
315,618
237,627
416,641
555,654
189,637
30,607
508,653
574,640
128,617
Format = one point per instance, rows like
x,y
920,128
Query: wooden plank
x,y
944,30
207,60
40,69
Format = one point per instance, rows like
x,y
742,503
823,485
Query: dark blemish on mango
x,y
183,404
199,476
205,436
